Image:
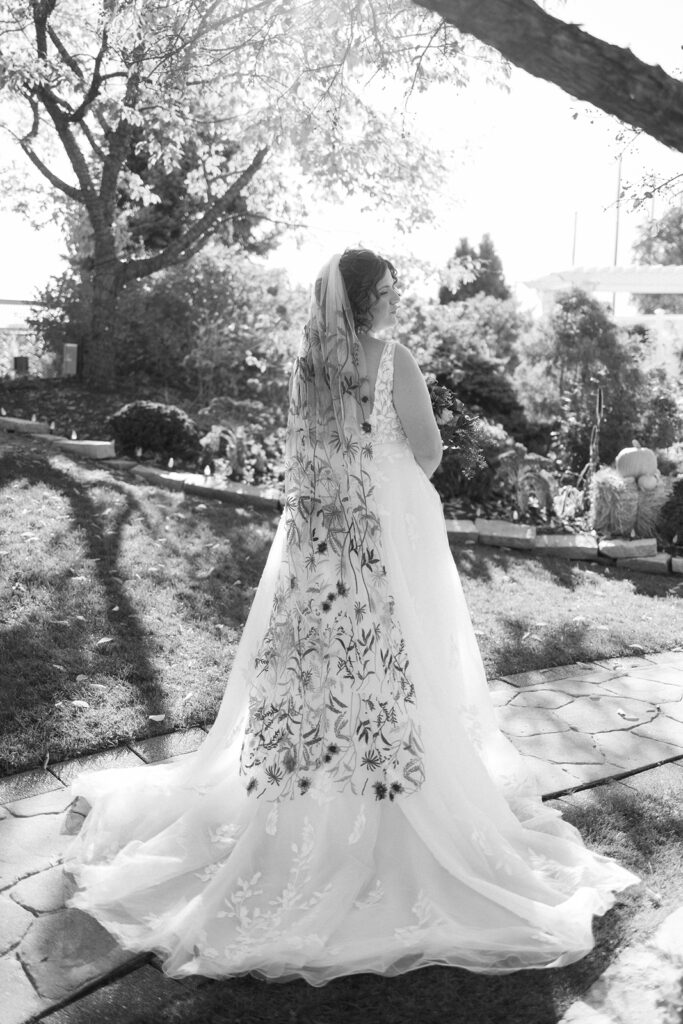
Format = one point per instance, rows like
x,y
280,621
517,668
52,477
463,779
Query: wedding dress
x,y
466,867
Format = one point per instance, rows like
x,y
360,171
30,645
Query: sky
x,y
533,167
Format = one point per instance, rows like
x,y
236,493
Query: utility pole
x,y
616,226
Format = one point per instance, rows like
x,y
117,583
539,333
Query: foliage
x,y
527,475
220,325
565,362
244,454
459,429
481,485
157,119
154,427
661,242
473,272
670,520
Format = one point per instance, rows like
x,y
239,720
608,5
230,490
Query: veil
x,y
331,702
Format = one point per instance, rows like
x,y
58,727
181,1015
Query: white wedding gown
x,y
472,870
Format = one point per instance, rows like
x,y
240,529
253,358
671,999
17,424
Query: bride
x,y
355,806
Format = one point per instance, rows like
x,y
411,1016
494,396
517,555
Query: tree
x,y
183,104
610,77
579,349
661,241
479,272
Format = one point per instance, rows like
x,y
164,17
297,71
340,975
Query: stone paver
x,y
643,689
14,923
524,721
63,951
603,714
630,751
158,748
41,893
15,787
566,748
19,1000
538,698
28,845
120,757
139,996
54,802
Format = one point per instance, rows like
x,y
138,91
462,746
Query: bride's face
x,y
384,309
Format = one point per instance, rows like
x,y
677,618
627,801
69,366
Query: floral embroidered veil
x,y
331,702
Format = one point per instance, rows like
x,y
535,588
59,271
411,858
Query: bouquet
x,y
461,431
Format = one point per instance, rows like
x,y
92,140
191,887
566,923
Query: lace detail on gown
x,y
386,426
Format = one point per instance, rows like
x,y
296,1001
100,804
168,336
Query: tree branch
x,y
198,234
610,77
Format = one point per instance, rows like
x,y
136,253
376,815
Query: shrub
x,y
449,479
670,519
155,427
526,475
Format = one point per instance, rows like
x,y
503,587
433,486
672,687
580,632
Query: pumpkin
x,y
636,461
648,481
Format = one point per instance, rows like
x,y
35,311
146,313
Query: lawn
x,y
119,602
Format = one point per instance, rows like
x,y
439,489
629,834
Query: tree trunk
x,y
99,357
610,77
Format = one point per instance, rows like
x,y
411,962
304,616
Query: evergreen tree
x,y
477,272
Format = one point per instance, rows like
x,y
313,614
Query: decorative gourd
x,y
636,461
648,481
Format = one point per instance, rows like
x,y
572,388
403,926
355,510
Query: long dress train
x,y
471,870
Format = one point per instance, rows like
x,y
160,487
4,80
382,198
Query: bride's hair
x,y
362,270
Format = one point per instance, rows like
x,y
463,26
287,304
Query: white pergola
x,y
658,279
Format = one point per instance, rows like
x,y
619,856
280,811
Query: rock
x,y
577,545
14,923
89,449
653,563
42,892
677,564
18,998
622,548
462,531
65,950
502,534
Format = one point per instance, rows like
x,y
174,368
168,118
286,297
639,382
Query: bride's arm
x,y
414,409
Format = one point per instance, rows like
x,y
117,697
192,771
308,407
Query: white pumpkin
x,y
636,462
648,481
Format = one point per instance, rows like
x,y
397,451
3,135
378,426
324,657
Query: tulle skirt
x,y
471,871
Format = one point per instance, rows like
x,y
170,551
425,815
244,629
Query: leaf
x,y
637,647
81,678
188,695
156,718
80,703
60,668
104,640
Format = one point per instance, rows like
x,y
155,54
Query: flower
x,y
304,785
366,426
380,790
444,417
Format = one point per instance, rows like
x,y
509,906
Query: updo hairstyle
x,y
362,270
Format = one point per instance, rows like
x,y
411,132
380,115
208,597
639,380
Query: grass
x,y
130,601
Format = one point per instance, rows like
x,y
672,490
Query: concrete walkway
x,y
580,726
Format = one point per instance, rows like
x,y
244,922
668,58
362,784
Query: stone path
x,y
579,726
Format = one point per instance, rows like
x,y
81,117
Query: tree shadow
x,y
35,639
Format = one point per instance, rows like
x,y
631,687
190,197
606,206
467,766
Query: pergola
x,y
658,279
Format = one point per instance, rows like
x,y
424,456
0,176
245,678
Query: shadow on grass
x,y
33,640
476,562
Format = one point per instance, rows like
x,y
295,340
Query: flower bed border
x,y
639,555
